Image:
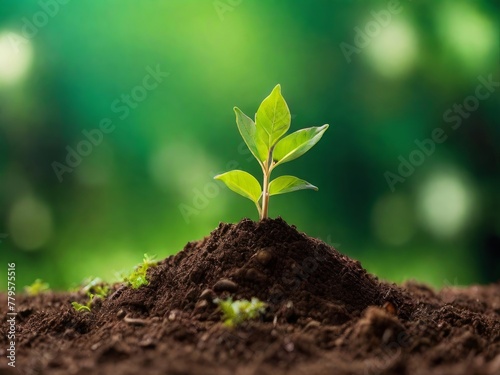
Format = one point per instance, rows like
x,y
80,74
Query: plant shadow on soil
x,y
325,315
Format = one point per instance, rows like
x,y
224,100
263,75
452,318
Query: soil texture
x,y
325,315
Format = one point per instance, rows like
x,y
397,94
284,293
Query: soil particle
x,y
225,285
207,294
325,315
264,256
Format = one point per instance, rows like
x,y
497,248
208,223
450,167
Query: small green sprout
x,y
96,286
138,277
149,260
88,283
264,138
237,312
80,308
101,291
37,287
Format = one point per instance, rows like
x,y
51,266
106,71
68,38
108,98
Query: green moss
x,y
237,312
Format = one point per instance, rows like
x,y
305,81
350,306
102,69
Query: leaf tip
x,y
313,187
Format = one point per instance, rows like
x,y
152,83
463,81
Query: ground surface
x,y
326,315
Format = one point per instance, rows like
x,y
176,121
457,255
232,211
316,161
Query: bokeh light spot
x,y
393,53
470,34
445,204
16,54
30,223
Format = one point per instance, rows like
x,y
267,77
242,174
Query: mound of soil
x,y
325,314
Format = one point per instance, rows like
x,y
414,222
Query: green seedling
x,y
101,291
88,283
95,286
265,137
80,308
237,312
138,277
37,287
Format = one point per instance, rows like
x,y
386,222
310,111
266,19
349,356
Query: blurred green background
x,y
382,75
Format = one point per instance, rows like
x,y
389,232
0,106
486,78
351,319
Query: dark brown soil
x,y
325,315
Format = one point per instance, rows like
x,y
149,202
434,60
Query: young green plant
x,y
96,286
38,286
138,277
80,307
265,137
99,289
237,312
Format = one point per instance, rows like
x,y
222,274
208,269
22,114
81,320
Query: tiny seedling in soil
x,y
434,332
237,312
138,277
265,139
95,286
101,291
80,308
36,288
93,291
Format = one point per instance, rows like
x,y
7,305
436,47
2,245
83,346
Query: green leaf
x,y
243,183
297,144
272,118
248,132
237,312
79,307
287,184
